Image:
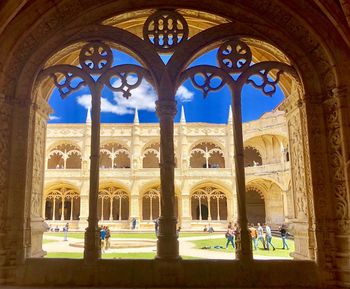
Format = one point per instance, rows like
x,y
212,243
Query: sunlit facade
x,y
204,182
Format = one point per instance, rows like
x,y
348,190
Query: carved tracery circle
x,y
95,57
234,56
165,30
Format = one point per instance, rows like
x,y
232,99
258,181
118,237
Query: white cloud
x,y
54,117
183,94
143,98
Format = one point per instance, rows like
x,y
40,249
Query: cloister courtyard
x,y
142,245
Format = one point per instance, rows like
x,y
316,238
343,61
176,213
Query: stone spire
x,y
182,118
88,115
229,121
136,117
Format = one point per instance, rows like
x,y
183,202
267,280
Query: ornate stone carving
x,y
165,29
336,158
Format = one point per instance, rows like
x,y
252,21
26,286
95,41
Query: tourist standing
x,y
103,239
133,223
107,237
65,232
254,236
269,237
284,234
156,226
230,236
261,235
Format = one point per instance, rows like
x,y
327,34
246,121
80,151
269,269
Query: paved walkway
x,y
187,248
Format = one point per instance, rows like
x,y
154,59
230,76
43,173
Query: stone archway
x,y
255,207
299,119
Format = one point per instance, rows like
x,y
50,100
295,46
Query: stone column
x,y
167,245
186,209
299,225
84,203
40,111
243,249
92,250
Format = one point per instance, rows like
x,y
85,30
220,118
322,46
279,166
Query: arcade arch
x,y
265,202
314,86
62,202
113,203
207,155
64,156
151,156
252,157
151,203
208,202
114,155
271,148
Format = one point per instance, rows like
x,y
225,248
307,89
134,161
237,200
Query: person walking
x,y
230,236
254,236
261,235
284,234
269,238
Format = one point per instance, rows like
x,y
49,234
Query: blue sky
x,y
117,109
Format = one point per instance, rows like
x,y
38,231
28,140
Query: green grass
x,y
277,242
148,235
45,241
109,255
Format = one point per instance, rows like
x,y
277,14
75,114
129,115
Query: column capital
x,y
166,108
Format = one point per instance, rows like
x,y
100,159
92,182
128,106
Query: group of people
x,y
208,229
265,236
260,234
105,235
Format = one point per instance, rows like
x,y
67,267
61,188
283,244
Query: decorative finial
x,y
88,115
136,117
229,121
182,118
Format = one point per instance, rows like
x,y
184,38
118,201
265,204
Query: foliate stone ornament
x,y
234,56
205,81
166,30
95,57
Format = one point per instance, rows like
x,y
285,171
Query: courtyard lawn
x,y
45,241
277,242
109,255
136,235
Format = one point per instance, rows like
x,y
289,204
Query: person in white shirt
x,y
269,238
261,235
